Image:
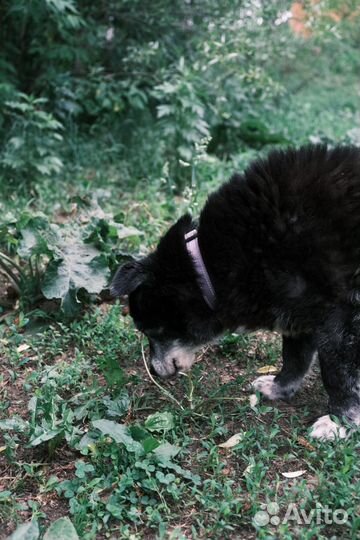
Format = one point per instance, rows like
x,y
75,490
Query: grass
x,y
166,477
61,384
58,379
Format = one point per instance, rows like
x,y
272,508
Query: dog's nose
x,y
164,374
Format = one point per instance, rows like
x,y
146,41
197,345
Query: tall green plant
x,y
181,115
30,148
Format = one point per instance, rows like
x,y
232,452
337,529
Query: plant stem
x,y
11,262
11,276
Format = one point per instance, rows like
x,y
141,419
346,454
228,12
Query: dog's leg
x,y
297,353
339,353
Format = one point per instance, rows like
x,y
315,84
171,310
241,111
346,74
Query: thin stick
x,y
161,388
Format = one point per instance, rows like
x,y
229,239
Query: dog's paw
x,y
326,429
267,386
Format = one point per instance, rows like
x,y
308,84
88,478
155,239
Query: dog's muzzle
x,y
168,361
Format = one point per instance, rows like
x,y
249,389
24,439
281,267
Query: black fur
x,y
128,278
281,244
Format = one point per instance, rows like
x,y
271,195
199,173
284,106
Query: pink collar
x,y
203,278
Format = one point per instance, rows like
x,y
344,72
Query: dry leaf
x,y
233,441
264,370
23,347
293,474
248,469
2,448
303,442
254,400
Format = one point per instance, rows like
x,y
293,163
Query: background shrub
x,y
159,78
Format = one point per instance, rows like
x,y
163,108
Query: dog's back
x,y
295,213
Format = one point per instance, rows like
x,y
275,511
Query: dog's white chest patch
x,y
326,429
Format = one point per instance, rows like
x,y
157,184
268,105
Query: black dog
x,y
277,247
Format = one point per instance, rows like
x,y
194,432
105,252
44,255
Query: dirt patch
x,y
31,487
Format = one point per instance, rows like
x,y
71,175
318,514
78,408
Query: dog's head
x,y
165,302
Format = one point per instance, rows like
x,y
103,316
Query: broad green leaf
x,y
75,266
101,229
165,478
70,304
85,270
150,444
119,432
185,153
26,531
138,433
16,424
160,421
32,404
82,468
166,451
86,441
38,237
61,529
115,510
46,436
56,281
118,406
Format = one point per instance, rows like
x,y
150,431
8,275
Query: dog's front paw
x,y
267,386
326,429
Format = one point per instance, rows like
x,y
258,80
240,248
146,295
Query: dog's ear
x,y
128,278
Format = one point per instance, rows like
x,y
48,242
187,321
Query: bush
x,y
158,78
30,147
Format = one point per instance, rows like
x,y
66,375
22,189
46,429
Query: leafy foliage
x,y
119,466
117,475
62,261
61,529
165,76
31,142
181,115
